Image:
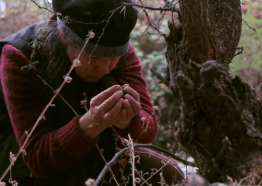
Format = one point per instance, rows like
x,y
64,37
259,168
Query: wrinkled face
x,y
96,69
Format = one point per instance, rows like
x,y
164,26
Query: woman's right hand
x,y
105,110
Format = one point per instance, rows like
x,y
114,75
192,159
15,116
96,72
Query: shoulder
x,y
11,55
11,62
131,53
22,38
129,59
9,51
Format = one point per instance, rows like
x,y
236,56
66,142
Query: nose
x,y
104,66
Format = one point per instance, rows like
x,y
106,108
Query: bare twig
x,y
45,83
165,164
103,157
160,77
141,177
112,13
40,7
118,154
68,18
49,4
247,177
174,9
132,158
149,20
204,148
249,27
239,51
161,18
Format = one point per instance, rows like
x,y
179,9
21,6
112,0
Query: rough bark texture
x,y
220,125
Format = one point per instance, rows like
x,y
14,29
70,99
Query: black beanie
x,y
87,15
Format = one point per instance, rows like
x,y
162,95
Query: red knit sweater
x,y
49,151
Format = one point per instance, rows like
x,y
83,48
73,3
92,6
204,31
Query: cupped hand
x,y
105,110
131,107
110,108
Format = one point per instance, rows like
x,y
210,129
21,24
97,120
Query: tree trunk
x,y
220,125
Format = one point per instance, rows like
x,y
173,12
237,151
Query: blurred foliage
x,y
151,49
249,65
17,14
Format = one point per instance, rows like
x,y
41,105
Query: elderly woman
x,y
63,149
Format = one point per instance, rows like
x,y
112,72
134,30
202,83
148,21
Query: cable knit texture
x,y
50,151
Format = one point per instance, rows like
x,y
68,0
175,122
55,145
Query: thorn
x,y
23,151
12,158
26,132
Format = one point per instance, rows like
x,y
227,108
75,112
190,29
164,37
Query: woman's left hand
x,y
131,107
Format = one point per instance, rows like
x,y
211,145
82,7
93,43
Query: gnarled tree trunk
x,y
220,125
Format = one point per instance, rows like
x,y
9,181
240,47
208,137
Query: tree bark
x,y
220,125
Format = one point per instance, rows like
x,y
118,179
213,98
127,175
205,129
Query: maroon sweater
x,y
52,151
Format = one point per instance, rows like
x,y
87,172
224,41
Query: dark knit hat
x,y
77,17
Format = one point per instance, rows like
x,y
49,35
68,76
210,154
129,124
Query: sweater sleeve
x,y
48,151
143,127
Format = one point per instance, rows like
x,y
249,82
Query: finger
x,y
136,106
129,111
110,102
101,97
124,114
132,92
114,111
125,85
121,123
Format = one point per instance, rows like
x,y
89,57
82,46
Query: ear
x,y
63,38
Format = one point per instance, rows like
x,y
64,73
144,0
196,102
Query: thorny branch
x,y
41,7
132,159
103,157
118,154
103,30
65,17
45,83
165,81
160,77
173,9
76,62
149,20
156,171
48,3
249,27
239,51
168,7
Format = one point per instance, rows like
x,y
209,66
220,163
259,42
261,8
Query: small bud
x,y
67,79
90,182
91,34
24,152
13,182
83,102
26,132
155,107
12,158
76,63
